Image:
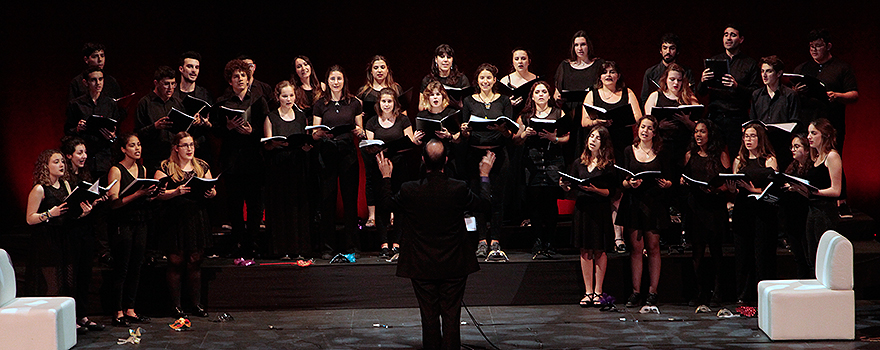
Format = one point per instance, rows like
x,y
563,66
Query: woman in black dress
x,y
591,225
826,175
706,209
388,125
542,160
754,222
488,104
128,234
644,208
338,154
608,93
578,73
287,205
186,228
794,206
444,70
82,232
52,260
308,88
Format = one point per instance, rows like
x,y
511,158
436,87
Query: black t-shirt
x,y
336,113
500,107
77,88
401,122
838,77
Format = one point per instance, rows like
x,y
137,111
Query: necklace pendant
x,y
488,105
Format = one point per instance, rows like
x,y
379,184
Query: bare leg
x,y
601,262
653,246
587,270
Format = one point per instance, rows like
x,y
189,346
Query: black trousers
x,y
340,167
489,225
440,308
128,246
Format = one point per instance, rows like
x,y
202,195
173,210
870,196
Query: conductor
x,y
436,249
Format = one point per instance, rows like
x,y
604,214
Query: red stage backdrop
x,y
42,46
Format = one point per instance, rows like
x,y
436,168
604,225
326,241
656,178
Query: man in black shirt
x,y
776,103
840,84
240,156
256,87
189,71
152,123
98,142
93,56
729,103
669,45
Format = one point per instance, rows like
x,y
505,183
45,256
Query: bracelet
x,y
48,215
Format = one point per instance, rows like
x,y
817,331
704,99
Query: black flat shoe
x,y
137,319
200,311
80,330
90,325
178,313
120,322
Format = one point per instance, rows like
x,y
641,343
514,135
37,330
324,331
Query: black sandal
x,y
86,323
620,247
590,299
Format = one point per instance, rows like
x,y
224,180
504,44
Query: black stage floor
x,y
508,327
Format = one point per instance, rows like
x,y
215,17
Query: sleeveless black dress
x,y
187,227
645,207
621,135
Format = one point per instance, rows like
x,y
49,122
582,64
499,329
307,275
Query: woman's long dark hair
x,y
795,168
714,146
454,74
68,147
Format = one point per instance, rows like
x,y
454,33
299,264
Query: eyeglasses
x,y
750,136
187,145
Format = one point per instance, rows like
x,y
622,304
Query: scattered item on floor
x,y
305,263
702,309
224,317
725,313
181,324
497,255
134,337
243,262
271,327
342,258
379,325
649,310
747,311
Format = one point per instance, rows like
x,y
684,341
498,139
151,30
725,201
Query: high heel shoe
x,y
178,313
200,311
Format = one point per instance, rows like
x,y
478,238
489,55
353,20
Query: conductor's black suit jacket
x,y
434,241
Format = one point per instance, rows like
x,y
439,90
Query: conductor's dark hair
x,y
163,72
244,57
89,48
774,62
817,34
738,26
581,34
670,38
189,54
233,66
434,161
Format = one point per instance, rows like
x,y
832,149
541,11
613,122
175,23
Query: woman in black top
x,y
128,236
82,232
519,75
577,73
490,105
444,70
591,221
379,76
794,206
287,205
54,245
706,210
826,175
754,222
186,228
339,160
308,88
434,104
674,91
643,209
388,125
542,159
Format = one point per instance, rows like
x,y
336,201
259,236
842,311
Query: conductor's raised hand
x,y
385,166
487,163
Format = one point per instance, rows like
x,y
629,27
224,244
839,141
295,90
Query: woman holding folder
x,y
379,77
610,92
546,130
826,175
186,228
338,152
483,137
287,163
444,70
389,126
754,221
644,209
706,210
591,221
574,76
674,91
128,233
